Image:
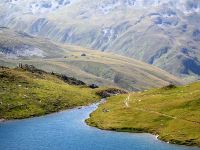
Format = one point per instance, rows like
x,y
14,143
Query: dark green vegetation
x,y
31,92
108,92
96,67
171,112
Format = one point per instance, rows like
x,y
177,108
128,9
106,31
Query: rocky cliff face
x,y
164,33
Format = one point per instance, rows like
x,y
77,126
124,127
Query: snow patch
x,y
21,51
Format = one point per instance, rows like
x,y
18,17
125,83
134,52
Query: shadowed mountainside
x,y
164,33
86,65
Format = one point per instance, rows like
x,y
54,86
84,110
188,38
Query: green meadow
x,y
25,94
172,113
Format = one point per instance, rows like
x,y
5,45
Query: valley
x,y
104,69
71,67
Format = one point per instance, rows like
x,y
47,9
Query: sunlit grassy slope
x,y
173,113
24,94
96,67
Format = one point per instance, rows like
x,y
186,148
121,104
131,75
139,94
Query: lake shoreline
x,y
173,141
67,120
43,115
131,130
2,120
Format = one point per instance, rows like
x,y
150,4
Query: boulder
x,y
83,54
93,86
170,86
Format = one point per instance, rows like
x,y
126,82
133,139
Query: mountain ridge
x,y
84,64
159,32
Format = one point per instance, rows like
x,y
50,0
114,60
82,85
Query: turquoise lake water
x,y
67,131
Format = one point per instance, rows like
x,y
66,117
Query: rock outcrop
x,y
111,92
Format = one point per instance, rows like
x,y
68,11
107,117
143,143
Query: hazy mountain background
x,y
87,65
165,33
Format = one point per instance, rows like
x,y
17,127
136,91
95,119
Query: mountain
x,y
164,33
90,66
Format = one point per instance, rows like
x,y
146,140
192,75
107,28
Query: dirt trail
x,y
127,100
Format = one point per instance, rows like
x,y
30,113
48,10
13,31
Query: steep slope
x,y
27,93
164,33
172,113
87,65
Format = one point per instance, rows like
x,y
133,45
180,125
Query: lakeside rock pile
x,y
110,92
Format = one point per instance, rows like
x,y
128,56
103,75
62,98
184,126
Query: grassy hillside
x,y
25,94
173,113
96,67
